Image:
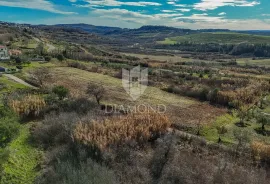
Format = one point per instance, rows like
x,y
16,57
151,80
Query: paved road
x,y
16,79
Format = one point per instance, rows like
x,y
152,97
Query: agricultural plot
x,y
26,44
181,109
254,62
162,58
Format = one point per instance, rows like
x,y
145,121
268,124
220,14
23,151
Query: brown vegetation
x,y
260,150
28,105
139,127
39,76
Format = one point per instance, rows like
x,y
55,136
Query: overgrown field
x,y
254,62
162,58
182,109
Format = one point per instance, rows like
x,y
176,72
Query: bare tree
x,y
98,91
40,75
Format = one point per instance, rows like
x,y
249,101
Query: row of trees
x,y
258,50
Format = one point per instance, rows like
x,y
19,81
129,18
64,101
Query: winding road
x,y
16,79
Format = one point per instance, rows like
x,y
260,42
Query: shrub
x,y
48,58
212,96
9,126
60,57
260,150
81,106
77,65
81,173
60,91
20,67
139,127
55,130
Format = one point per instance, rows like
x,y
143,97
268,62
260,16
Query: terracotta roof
x,y
2,46
15,52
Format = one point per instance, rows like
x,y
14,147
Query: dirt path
x,y
16,79
50,46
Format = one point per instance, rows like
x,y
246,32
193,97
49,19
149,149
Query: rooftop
x,y
2,46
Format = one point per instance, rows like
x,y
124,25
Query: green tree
x,y
212,96
61,92
60,57
243,113
48,58
221,131
263,119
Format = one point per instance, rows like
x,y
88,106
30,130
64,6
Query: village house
x,y
14,52
4,55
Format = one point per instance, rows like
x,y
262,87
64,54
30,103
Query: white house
x,y
4,55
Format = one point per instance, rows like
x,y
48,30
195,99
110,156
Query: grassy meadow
x,y
23,160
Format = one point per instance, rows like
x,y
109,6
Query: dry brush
x,y
139,127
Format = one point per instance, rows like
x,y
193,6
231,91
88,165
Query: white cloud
x,y
168,11
170,17
222,13
172,2
214,4
34,4
94,3
131,16
234,24
183,9
200,18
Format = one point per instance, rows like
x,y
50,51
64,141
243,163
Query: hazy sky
x,y
194,14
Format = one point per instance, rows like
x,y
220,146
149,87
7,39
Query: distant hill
x,y
149,31
102,30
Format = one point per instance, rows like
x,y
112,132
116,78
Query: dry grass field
x,y
163,58
257,62
179,109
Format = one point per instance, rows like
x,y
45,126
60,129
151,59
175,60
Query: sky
x,y
192,14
